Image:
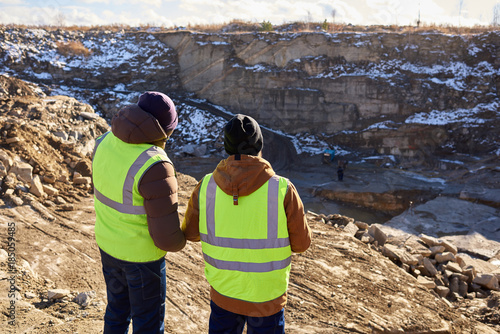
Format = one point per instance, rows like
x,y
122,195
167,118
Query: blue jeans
x,y
136,291
226,322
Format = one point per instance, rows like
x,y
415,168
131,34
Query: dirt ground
x,y
339,285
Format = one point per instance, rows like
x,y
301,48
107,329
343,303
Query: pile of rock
x,y
45,146
435,263
21,185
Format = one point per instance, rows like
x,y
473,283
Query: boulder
x,y
82,180
429,284
53,294
436,249
49,178
449,246
351,229
6,160
84,167
454,284
379,236
37,187
442,291
50,190
362,225
463,287
453,266
433,242
366,238
23,171
431,270
444,257
488,281
83,298
395,253
480,266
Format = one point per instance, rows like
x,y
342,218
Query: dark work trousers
x,y
226,322
340,173
136,291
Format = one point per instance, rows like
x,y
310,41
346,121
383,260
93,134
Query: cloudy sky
x,y
171,13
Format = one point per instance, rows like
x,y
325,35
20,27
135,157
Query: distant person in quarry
x,y
249,221
340,173
135,196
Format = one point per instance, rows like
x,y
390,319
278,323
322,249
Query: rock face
x,y
412,95
371,84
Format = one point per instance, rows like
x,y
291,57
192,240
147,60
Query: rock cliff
x,y
355,277
412,95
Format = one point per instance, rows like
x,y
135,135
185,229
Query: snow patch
x,y
467,116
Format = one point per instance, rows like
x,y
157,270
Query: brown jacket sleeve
x,y
191,223
298,229
158,186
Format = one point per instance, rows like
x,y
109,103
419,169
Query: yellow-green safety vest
x,y
246,247
121,228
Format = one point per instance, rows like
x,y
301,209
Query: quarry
x,y
408,242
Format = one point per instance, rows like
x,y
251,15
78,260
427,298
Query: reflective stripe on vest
x,y
250,267
121,224
127,205
272,240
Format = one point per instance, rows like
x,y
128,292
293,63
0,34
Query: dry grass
x,y
240,26
73,48
236,26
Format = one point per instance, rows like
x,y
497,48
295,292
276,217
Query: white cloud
x,y
95,1
157,19
277,12
84,17
183,12
24,15
346,13
156,3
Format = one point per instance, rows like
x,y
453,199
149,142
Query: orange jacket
x,y
245,176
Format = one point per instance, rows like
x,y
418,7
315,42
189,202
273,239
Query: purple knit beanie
x,y
161,107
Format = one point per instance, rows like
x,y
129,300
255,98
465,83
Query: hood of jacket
x,y
242,177
136,126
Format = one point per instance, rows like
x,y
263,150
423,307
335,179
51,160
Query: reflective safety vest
x,y
121,228
246,247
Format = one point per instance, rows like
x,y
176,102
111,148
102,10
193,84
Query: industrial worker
x,y
135,199
249,220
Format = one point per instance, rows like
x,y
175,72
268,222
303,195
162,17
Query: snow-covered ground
x,y
468,116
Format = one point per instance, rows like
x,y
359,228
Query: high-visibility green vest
x,y
246,247
121,228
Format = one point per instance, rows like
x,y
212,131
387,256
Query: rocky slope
x,y
354,278
420,97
